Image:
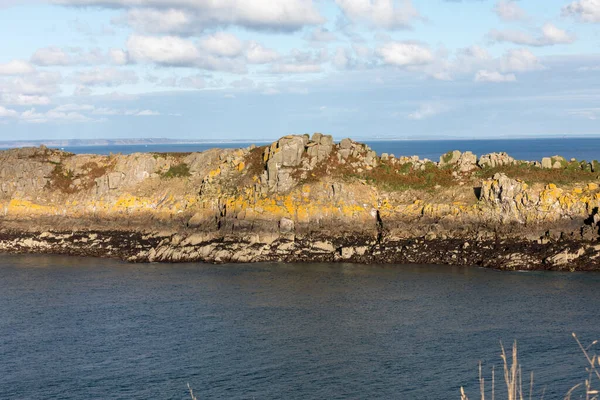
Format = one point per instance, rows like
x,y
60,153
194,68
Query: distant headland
x,y
58,143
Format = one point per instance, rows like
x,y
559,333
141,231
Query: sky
x,y
262,69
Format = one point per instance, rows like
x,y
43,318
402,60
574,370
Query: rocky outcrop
x,y
494,160
464,162
302,198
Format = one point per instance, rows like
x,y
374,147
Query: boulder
x,y
546,162
464,162
494,160
346,144
565,257
286,225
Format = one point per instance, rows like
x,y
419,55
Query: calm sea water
x,y
522,149
77,328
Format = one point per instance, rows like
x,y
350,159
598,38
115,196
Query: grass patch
x,y
61,179
531,174
93,171
171,154
254,162
181,170
406,176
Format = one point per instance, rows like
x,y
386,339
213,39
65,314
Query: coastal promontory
x,y
306,199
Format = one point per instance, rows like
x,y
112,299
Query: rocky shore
x,y
303,199
504,254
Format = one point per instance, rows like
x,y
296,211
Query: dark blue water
x,y
521,149
76,328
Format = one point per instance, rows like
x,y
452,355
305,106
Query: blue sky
x,y
261,69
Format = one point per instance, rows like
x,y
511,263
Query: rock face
x,y
464,162
302,198
293,157
494,160
509,196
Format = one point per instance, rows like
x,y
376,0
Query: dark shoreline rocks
x,y
502,254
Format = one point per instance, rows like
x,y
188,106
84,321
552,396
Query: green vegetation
x,y
406,176
254,162
61,179
172,154
181,170
571,173
447,157
93,171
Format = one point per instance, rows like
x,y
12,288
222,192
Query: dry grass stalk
x,y
512,374
191,392
481,383
463,395
512,377
592,369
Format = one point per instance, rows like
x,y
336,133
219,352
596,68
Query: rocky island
x,y
303,199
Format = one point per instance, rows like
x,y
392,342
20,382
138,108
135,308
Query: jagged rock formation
x,y
494,160
306,199
464,162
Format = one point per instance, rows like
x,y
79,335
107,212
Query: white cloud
x,y
147,113
509,10
29,89
380,13
520,60
179,52
192,82
81,90
106,77
34,117
550,35
50,56
555,35
270,91
160,21
428,110
55,56
167,50
74,107
8,113
118,56
404,54
196,81
584,10
222,44
73,113
494,76
24,99
301,62
322,35
16,67
257,54
183,16
588,113
589,68
341,58
12,3
295,68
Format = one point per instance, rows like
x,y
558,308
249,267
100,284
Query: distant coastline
x,y
60,143
10,144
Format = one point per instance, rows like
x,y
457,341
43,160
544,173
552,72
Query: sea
x,y
85,328
521,149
